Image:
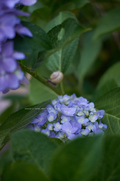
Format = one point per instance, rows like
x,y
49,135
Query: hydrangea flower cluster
x,y
68,117
11,74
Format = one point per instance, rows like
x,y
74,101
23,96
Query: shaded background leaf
x,y
73,161
110,102
33,147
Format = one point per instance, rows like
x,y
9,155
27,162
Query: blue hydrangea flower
x,y
50,126
67,111
51,116
69,117
57,126
85,131
65,118
11,74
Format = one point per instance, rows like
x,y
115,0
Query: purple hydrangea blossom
x,y
93,117
67,111
69,130
51,116
7,24
81,119
70,117
64,118
57,126
85,131
12,3
11,74
27,2
50,126
46,131
8,56
100,113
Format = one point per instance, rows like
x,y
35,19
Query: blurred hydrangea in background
x,y
68,117
11,74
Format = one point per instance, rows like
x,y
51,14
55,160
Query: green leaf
x,y
62,30
73,161
23,171
39,92
67,23
58,4
19,120
62,59
34,147
62,16
6,113
109,168
41,16
110,102
80,3
110,22
108,86
89,54
40,41
5,159
113,73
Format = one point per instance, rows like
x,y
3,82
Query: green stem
x,y
40,79
62,89
80,85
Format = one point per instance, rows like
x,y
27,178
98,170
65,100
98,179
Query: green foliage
x,y
61,59
108,23
62,16
109,168
89,53
110,102
34,154
73,162
39,43
23,171
6,113
81,38
113,73
18,120
40,92
34,147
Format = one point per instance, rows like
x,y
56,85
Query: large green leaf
x,y
19,120
62,30
73,162
23,171
89,53
39,92
6,113
109,169
62,16
108,86
40,41
34,147
41,16
110,102
113,73
58,4
80,3
110,22
66,23
62,59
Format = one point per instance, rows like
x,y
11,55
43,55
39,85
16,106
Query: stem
x,y
80,85
40,79
62,89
